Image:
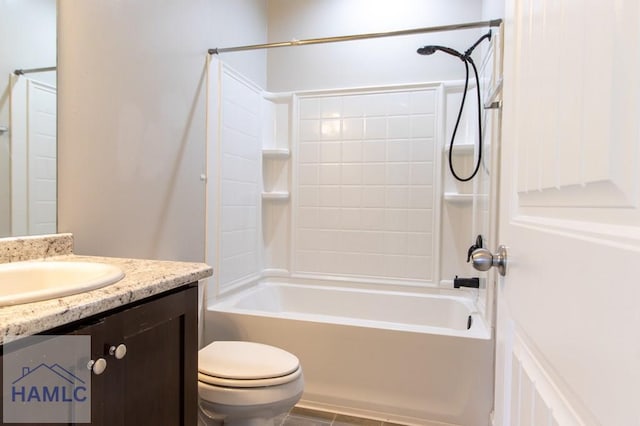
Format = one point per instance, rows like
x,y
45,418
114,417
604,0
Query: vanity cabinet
x,y
149,350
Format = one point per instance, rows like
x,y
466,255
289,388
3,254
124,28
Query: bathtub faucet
x,y
466,282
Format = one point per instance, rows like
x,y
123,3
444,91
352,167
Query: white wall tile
x,y
373,196
394,265
306,239
329,196
422,174
329,218
350,218
351,196
351,152
422,149
351,174
330,152
397,197
397,174
308,174
375,128
310,108
309,152
376,104
239,193
423,102
238,217
399,150
330,129
308,217
422,126
374,174
352,128
420,220
331,107
419,267
398,127
329,174
308,196
421,197
374,151
398,103
396,243
309,130
329,240
396,220
420,244
373,219
354,105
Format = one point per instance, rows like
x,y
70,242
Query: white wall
x,y
132,119
27,40
369,62
492,9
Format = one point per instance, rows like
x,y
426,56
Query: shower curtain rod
x,y
32,70
479,24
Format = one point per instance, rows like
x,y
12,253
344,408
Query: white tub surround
x,y
143,278
415,357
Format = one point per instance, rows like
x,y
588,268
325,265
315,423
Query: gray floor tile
x,y
312,414
304,421
342,420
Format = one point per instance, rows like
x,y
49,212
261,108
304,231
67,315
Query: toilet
x,y
246,383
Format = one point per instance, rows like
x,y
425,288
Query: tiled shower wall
x,y
240,156
364,185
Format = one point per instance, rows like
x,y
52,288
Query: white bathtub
x,y
414,358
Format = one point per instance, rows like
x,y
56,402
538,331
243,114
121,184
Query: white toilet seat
x,y
245,361
248,383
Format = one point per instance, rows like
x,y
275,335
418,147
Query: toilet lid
x,y
245,361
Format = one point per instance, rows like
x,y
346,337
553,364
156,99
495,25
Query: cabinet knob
x,y
118,351
98,366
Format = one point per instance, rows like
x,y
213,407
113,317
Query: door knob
x,y
98,366
118,351
482,259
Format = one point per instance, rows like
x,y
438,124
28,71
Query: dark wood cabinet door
x,y
159,371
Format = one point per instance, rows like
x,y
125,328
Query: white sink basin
x,y
24,282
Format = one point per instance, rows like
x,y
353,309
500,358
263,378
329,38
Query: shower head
x,y
430,50
427,50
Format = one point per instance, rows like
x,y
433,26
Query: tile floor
x,y
305,417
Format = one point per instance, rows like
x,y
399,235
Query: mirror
x,y
27,117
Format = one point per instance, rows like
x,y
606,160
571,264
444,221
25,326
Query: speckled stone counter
x,y
143,278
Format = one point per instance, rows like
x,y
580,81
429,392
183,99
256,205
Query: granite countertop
x,y
143,278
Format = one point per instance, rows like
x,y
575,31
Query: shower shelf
x,y
275,195
456,198
276,153
462,149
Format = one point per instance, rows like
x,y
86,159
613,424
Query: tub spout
x,y
466,282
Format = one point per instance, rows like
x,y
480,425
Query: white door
x,y
568,337
33,157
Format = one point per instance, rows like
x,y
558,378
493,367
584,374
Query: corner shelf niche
x,y
456,198
464,148
276,153
275,196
